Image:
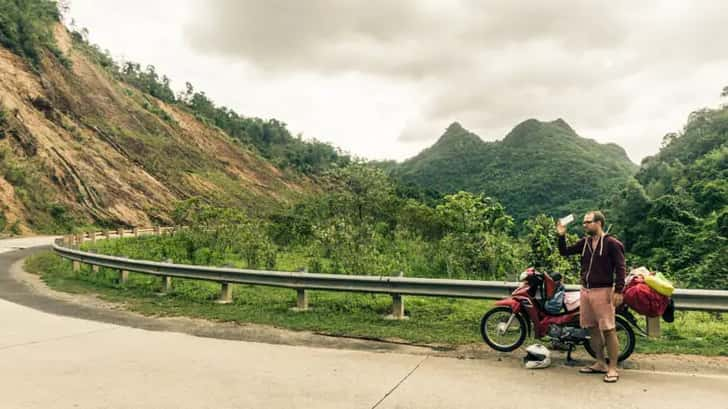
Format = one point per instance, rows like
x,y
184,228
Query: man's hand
x,y
617,299
560,228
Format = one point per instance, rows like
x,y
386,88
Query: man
x,y
602,282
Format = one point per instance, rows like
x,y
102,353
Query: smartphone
x,y
566,220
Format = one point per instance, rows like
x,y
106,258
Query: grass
x,y
440,321
434,320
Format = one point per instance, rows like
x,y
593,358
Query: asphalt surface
x,y
60,354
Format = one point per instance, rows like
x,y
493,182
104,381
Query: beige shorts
x,y
597,308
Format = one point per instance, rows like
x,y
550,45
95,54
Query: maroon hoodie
x,y
607,268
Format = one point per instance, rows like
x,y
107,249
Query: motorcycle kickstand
x,y
569,360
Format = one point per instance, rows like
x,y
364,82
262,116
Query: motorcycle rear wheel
x,y
626,336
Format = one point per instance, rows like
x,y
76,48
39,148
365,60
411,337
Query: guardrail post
x,y
398,305
226,294
301,297
166,284
120,232
94,267
67,240
79,239
653,327
167,280
92,236
76,266
107,234
135,231
157,231
123,276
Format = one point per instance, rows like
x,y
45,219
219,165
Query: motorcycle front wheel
x,y
502,329
626,337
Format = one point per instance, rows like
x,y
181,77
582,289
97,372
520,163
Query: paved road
x,y
8,245
55,361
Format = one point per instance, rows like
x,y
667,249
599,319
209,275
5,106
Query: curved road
x,y
56,354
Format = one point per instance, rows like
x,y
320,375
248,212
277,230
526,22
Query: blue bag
x,y
555,304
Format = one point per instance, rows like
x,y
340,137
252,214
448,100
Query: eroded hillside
x,y
78,146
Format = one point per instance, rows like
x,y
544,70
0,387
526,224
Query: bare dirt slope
x,y
77,143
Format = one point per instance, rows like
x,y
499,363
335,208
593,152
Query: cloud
x,y
489,64
410,38
325,36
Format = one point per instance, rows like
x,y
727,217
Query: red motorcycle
x,y
505,327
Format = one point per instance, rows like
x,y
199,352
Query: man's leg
x,y
587,319
597,345
612,350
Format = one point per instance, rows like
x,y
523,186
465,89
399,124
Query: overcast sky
x,y
382,79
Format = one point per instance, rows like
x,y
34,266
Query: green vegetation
x,y
543,253
436,321
270,137
539,167
146,80
151,106
673,216
26,28
362,224
358,224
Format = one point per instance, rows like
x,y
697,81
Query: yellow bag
x,y
660,283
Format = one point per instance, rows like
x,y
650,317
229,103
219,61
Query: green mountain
x,y
673,216
539,167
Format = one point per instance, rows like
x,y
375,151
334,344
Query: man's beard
x,y
591,233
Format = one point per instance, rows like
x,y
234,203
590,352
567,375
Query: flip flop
x,y
590,370
611,378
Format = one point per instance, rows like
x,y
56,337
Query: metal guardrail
x,y
697,300
299,280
